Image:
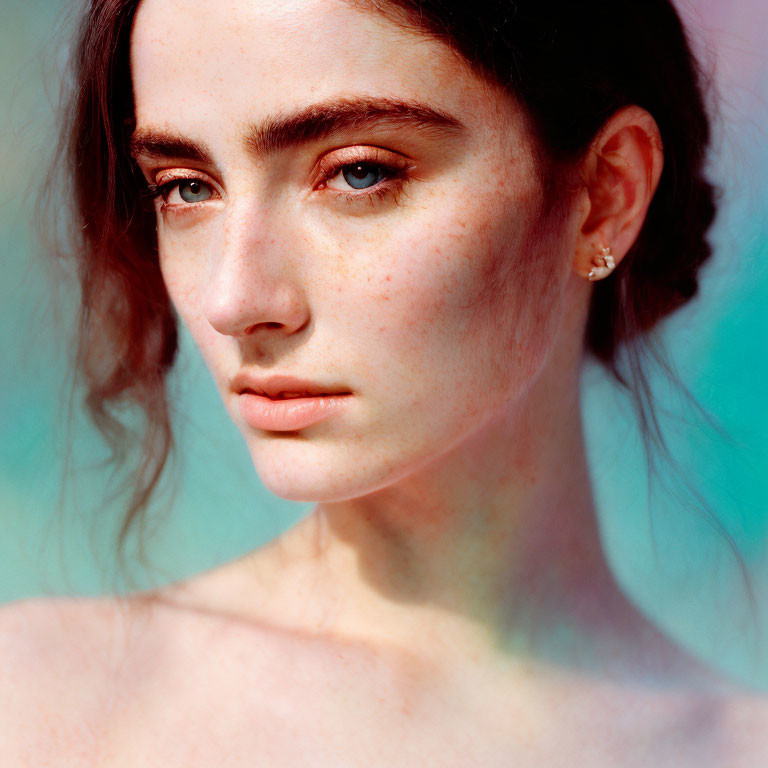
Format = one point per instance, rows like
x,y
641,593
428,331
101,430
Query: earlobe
x,y
603,264
620,172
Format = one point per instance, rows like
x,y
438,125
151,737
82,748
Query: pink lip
x,y
288,414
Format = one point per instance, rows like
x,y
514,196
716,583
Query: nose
x,y
252,281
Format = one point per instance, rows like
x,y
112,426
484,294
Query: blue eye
x,y
193,190
362,175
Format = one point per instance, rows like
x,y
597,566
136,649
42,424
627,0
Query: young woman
x,y
394,229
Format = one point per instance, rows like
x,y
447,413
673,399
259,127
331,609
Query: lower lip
x,y
288,414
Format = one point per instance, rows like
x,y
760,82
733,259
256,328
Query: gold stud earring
x,y
603,264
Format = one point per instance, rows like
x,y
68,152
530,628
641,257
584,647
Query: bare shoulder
x,y
740,723
71,633
45,635
57,658
746,728
55,641
741,726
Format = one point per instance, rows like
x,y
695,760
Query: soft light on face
x,y
398,258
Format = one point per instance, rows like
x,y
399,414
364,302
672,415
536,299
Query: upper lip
x,y
275,386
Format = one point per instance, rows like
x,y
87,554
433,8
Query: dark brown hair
x,y
571,65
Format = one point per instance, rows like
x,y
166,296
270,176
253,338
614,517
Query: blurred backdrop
x,y
58,521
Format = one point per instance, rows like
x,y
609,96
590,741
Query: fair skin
x,y
436,483
451,573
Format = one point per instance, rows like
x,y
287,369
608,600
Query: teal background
x,y
58,524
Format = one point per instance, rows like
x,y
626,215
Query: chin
x,y
293,468
296,469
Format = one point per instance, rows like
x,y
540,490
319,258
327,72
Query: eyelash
x,y
390,186
163,190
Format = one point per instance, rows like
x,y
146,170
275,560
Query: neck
x,y
493,546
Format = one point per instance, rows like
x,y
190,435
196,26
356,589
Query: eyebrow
x,y
317,121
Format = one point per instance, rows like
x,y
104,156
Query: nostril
x,y
270,324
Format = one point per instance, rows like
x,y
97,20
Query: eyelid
x,y
332,162
397,165
180,174
165,181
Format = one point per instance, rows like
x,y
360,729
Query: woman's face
x,y
346,203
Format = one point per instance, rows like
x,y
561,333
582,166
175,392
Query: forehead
x,y
194,61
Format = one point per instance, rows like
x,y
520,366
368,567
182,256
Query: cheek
x,y
454,295
463,294
183,264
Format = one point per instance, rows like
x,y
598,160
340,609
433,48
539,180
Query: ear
x,y
621,172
